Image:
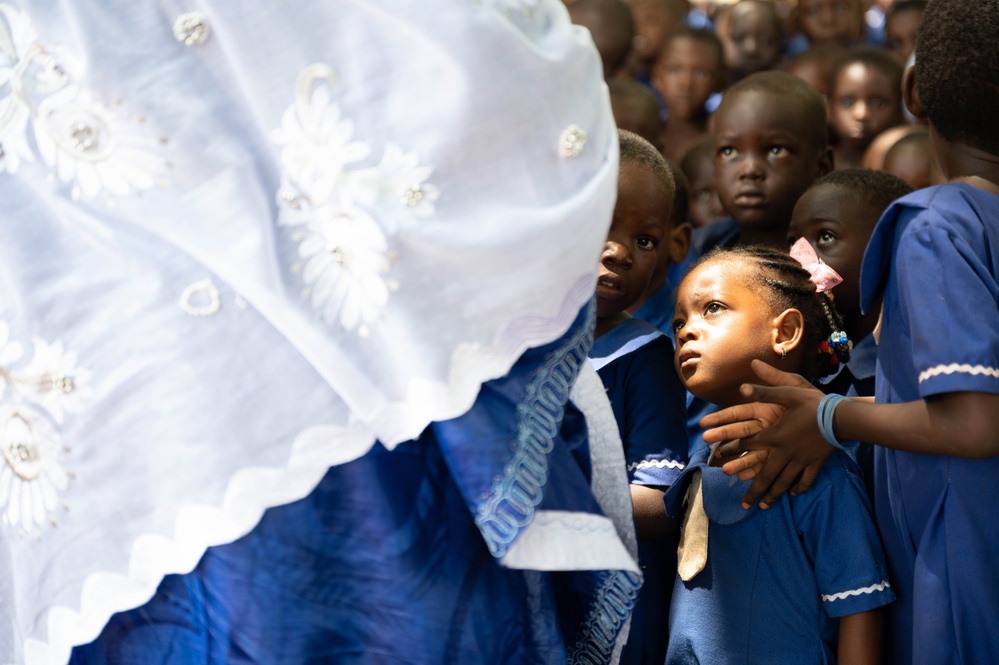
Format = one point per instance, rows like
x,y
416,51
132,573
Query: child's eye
x,y
726,151
703,195
825,237
677,325
713,308
846,102
876,103
777,150
645,242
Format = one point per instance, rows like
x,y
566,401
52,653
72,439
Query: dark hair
x,y
636,149
680,212
790,89
957,67
900,6
726,13
871,56
787,285
876,189
707,37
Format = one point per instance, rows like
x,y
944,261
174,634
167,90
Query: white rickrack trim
x,y
856,592
955,368
658,463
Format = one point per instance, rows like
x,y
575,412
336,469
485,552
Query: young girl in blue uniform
x,y
633,359
837,216
800,583
935,258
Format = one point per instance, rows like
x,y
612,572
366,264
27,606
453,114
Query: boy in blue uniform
x,y
634,361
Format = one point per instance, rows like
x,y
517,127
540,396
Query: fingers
x,y
771,481
732,414
745,462
735,431
808,476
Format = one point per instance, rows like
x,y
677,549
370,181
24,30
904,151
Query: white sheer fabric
x,y
241,244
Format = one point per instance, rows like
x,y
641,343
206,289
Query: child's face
x,y
752,40
864,103
900,30
836,223
636,236
764,158
705,206
685,75
721,325
654,21
830,21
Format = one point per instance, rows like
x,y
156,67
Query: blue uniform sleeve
x,y
654,425
837,531
949,300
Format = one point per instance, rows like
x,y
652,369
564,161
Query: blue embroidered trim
x,y
615,599
513,497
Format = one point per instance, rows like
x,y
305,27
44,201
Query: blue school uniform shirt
x,y
658,310
635,362
776,581
935,256
388,561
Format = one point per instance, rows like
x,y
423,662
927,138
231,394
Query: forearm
x,y
956,424
651,520
860,638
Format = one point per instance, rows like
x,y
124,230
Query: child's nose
x,y
859,110
616,253
752,168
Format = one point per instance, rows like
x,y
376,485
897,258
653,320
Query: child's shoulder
x,y
631,336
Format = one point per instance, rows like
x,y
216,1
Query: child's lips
x,y
688,358
751,199
609,285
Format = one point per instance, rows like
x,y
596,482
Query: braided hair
x,y
785,284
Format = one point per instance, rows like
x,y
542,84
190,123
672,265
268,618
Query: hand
x,y
780,424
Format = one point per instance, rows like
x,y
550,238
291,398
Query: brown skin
x,y
654,21
779,425
751,35
912,162
838,226
764,160
705,206
900,31
830,21
863,104
686,75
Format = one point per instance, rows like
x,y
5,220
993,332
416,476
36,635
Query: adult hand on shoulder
x,y
774,439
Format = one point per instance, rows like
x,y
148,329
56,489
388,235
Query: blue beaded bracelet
x,y
827,409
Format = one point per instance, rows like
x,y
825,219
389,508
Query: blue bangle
x,y
827,409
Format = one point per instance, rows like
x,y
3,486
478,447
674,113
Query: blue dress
x,y
776,581
396,556
658,309
635,363
935,256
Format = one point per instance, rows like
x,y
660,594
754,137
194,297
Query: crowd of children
x,y
789,129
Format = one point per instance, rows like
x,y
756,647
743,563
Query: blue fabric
x,y
776,581
648,403
935,255
723,233
658,309
393,558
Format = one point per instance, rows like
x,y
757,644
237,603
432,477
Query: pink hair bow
x,y
823,277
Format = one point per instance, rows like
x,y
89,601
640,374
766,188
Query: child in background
x,y
771,143
814,66
656,305
690,68
654,20
635,108
837,216
901,26
934,259
865,100
699,167
874,156
611,27
751,33
911,159
800,583
839,22
633,360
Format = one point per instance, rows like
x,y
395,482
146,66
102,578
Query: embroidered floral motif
x,y
332,202
84,142
50,386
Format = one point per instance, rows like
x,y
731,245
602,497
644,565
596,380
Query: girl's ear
x,y
910,94
788,328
